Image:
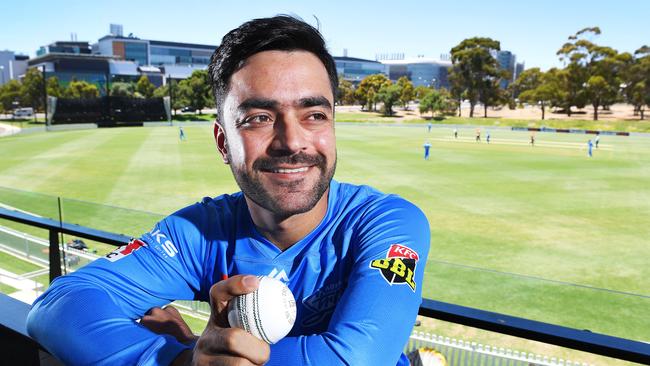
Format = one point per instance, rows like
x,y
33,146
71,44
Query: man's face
x,y
279,130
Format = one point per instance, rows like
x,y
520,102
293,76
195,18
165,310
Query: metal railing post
x,y
55,255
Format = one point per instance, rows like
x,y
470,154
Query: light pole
x,y
2,72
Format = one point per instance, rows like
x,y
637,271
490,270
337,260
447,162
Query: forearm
x,y
81,325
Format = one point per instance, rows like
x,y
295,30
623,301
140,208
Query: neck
x,y
286,231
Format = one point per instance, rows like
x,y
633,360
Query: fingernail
x,y
251,281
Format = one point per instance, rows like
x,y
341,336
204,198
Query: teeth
x,y
290,171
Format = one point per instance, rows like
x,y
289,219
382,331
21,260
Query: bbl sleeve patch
x,y
399,266
125,250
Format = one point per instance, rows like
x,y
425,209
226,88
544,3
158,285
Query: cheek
x,y
325,143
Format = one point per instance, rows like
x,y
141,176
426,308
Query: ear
x,y
220,139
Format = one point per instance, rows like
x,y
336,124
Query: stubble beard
x,y
285,199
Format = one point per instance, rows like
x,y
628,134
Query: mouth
x,y
286,170
289,170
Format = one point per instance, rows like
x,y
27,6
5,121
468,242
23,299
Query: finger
x,y
173,311
221,360
222,291
154,312
234,286
233,341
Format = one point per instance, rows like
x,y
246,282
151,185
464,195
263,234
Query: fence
x,y
464,353
601,344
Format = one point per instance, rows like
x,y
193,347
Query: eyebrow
x,y
265,103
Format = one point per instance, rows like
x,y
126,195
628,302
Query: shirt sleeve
x,y
376,313
89,316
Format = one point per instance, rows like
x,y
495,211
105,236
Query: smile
x,y
289,171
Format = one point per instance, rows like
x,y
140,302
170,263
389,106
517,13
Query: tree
x,y
366,92
345,92
145,87
10,92
54,89
122,89
407,91
537,88
596,90
195,90
389,94
32,89
594,72
81,90
636,86
475,71
437,101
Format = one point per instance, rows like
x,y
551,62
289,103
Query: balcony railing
x,y
26,351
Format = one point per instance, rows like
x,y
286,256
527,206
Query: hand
x,y
168,321
221,345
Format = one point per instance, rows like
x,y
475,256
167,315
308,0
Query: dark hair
x,y
281,32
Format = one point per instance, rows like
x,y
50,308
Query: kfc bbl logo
x,y
399,265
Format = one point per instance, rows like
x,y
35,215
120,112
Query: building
x,y
171,59
116,58
356,69
507,61
67,47
518,70
12,66
421,71
67,67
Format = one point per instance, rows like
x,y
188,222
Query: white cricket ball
x,y
268,313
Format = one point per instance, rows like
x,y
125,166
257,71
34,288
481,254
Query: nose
x,y
289,136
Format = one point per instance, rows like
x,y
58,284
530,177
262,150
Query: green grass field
x,y
540,232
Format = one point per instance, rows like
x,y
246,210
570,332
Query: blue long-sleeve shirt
x,y
357,280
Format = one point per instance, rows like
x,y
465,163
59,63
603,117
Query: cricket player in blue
x,y
352,256
590,147
427,147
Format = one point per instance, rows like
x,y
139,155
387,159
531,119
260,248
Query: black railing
x,y
12,322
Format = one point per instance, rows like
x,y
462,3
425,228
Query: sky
x,y
532,30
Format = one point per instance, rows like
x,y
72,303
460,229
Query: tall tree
x,y
145,87
636,86
10,95
32,89
389,94
366,92
196,90
345,92
594,71
407,91
475,70
437,101
536,88
54,88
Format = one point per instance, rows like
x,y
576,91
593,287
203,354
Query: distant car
x,y
77,244
24,112
188,109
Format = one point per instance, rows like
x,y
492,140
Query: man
x,y
478,134
590,147
181,133
597,139
532,139
427,147
352,256
455,133
487,137
429,125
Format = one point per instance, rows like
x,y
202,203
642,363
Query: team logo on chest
x,y
399,266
